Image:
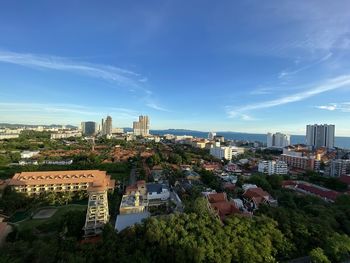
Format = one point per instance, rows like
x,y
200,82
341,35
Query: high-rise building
x,y
141,127
278,140
320,135
211,135
89,128
106,126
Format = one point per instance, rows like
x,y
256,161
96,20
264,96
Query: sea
x,y
341,142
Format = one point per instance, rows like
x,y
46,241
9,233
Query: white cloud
x,y
124,78
121,76
332,84
343,107
288,73
156,107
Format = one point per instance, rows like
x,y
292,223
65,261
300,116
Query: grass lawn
x,y
32,223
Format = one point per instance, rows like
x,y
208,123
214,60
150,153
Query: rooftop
x,y
95,178
126,220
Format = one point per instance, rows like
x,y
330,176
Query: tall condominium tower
x,y
106,126
141,127
89,128
278,140
320,135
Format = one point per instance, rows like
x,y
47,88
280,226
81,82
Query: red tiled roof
x,y
258,195
329,194
229,186
219,197
225,208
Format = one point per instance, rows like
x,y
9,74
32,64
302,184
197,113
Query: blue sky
x,y
250,66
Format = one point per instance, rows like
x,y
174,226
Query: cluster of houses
x,y
252,197
137,200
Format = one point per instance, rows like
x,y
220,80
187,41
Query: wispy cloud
x,y
332,84
121,76
342,107
64,112
288,73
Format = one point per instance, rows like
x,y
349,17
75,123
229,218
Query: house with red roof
x,y
220,206
255,196
312,189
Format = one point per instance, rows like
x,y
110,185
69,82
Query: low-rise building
x,y
157,192
312,189
65,134
29,154
95,182
6,136
255,196
60,181
220,206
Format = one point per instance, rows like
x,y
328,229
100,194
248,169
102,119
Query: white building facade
x,y
273,167
278,140
222,152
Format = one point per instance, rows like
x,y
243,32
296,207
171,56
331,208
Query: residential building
x,y
278,140
157,192
141,127
237,150
65,134
107,127
273,167
338,167
308,188
255,196
220,206
222,152
89,128
5,136
29,154
300,162
95,182
211,135
219,138
60,181
320,135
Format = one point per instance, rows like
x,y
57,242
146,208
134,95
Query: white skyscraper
x,y
278,140
320,135
211,135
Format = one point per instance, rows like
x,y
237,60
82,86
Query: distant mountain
x,y
10,125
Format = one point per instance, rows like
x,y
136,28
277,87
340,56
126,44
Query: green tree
x,y
317,256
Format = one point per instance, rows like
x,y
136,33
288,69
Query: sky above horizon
x,y
245,66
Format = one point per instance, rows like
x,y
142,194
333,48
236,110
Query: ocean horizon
x,y
341,142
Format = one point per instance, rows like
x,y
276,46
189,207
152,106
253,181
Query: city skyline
x,y
242,66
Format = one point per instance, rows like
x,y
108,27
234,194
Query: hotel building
x,y
95,182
